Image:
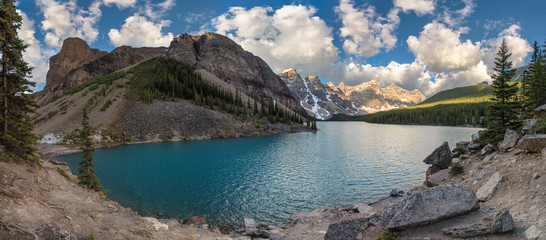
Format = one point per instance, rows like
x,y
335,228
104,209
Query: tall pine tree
x,y
536,79
87,174
16,125
505,110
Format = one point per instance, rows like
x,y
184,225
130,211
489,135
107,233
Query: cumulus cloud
x,y
456,18
66,19
121,4
291,36
365,33
34,54
157,11
138,31
420,7
442,50
518,46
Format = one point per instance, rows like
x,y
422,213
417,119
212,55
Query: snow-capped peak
x,y
288,70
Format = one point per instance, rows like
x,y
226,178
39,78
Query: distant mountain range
x,y
323,101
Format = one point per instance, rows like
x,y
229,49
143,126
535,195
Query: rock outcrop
x,y
440,158
431,205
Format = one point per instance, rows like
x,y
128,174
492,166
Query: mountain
x,y
317,100
199,87
324,101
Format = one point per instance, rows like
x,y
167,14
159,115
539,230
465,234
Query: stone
x,y
365,209
156,225
543,152
488,189
428,206
63,234
532,233
347,229
475,137
437,178
396,193
270,234
456,160
489,148
488,158
440,158
480,174
532,143
529,127
250,225
474,146
462,144
194,220
511,137
500,222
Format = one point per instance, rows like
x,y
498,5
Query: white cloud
x,y
518,46
35,55
442,50
364,32
66,19
291,36
121,4
138,31
455,18
420,7
158,10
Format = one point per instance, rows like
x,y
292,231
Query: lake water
x,y
268,178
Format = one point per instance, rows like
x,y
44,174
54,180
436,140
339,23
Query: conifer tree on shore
x,y
87,175
17,139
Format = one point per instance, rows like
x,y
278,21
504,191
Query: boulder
x,y
440,158
474,146
365,209
489,148
475,137
348,229
462,144
396,193
511,137
532,233
500,222
250,225
437,178
156,225
532,143
488,158
529,127
428,206
488,189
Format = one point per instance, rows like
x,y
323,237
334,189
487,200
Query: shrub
x,y
63,173
457,168
106,105
541,126
387,235
460,149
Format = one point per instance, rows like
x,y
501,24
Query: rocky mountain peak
x,y
74,53
289,73
312,78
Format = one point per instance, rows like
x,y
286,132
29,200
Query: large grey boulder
x,y
500,222
511,137
347,229
440,158
488,189
533,143
474,146
428,206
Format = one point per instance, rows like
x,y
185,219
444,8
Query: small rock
x,y
503,222
536,175
365,209
437,178
475,138
474,146
396,193
456,160
489,148
462,144
529,126
480,174
63,234
201,219
532,233
498,223
543,152
270,235
533,143
488,189
455,154
488,158
250,225
156,225
510,139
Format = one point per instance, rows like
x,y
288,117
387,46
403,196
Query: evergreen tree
x,y
503,113
536,79
87,174
16,125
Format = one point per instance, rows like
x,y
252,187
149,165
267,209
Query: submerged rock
x,y
498,223
440,158
429,206
533,143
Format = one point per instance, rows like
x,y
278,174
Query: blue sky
x,y
428,45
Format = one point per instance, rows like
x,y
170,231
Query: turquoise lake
x,y
268,178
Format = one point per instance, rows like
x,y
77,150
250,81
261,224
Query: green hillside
x,y
454,107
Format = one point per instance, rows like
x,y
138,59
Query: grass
x,y
106,105
541,126
63,173
387,235
105,79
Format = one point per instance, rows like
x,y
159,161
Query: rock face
x,y
315,98
500,222
231,63
533,143
510,139
440,158
74,53
488,189
431,205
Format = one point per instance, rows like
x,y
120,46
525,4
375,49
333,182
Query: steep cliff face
x,y
74,54
317,100
230,62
